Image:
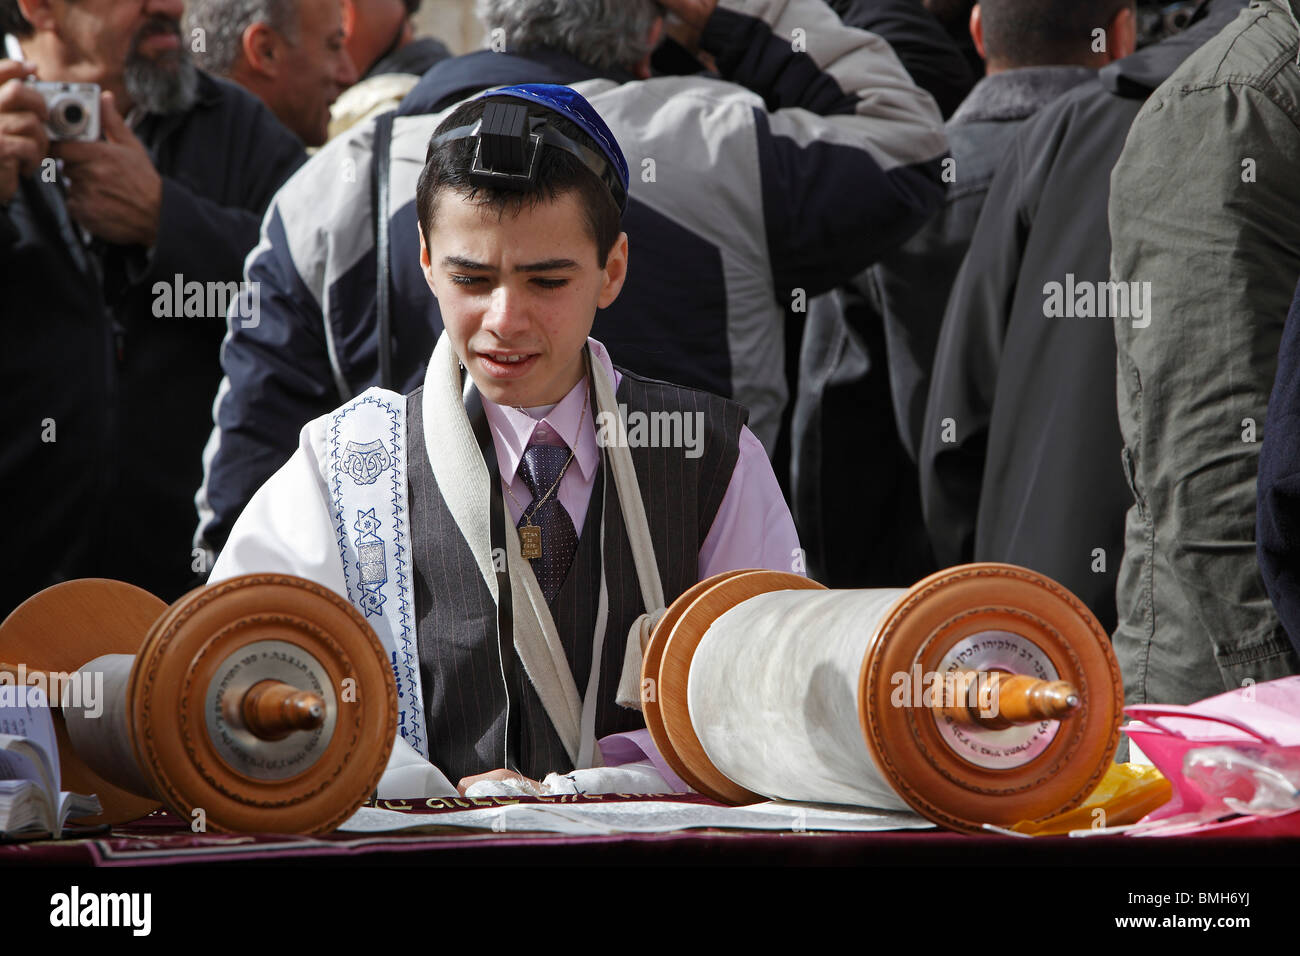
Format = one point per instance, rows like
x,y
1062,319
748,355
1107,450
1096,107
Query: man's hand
x,y
694,12
686,26
23,139
511,775
113,190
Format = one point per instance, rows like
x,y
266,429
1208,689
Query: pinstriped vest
x,y
465,672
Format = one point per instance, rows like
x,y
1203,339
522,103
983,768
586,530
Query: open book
x,y
31,801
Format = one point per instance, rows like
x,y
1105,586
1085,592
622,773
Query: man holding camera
x,y
109,370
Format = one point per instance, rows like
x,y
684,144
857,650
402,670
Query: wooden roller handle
x,y
274,709
997,700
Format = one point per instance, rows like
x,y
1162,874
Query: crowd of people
x,y
997,281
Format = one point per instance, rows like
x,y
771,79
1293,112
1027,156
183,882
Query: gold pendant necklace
x,y
530,535
530,541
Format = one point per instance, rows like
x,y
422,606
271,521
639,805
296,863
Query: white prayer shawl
x,y
337,513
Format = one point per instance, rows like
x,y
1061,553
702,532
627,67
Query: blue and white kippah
x,y
510,137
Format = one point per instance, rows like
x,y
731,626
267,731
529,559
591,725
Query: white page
x,y
74,806
24,712
20,759
641,816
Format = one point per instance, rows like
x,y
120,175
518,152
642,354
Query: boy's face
x,y
518,294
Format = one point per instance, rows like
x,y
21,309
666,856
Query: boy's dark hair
x,y
1044,32
447,167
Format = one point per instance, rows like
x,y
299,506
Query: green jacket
x,y
1205,206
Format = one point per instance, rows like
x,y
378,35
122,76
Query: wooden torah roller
x,y
985,694
266,701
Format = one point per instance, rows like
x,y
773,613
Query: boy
x,y
516,648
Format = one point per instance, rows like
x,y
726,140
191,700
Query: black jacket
x,y
932,59
107,403
418,57
1020,450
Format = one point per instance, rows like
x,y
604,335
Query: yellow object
x,y
1127,793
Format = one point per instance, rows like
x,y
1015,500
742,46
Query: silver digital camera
x,y
73,110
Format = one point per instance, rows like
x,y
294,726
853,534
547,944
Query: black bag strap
x,y
379,175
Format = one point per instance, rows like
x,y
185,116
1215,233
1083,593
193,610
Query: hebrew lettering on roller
x,y
227,702
770,686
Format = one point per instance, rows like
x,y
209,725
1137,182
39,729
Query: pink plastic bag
x,y
1228,757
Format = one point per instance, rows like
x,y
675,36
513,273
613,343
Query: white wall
x,y
451,21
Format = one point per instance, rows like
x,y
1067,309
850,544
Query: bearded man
x,y
119,258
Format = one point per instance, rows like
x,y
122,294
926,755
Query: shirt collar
x,y
512,429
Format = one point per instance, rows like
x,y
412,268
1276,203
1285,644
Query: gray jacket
x,y
1205,206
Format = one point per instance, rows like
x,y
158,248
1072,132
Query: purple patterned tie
x,y
540,468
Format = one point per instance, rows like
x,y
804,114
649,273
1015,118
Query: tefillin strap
x,y
505,609
508,149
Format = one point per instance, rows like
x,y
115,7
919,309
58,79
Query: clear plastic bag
x,y
1262,781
